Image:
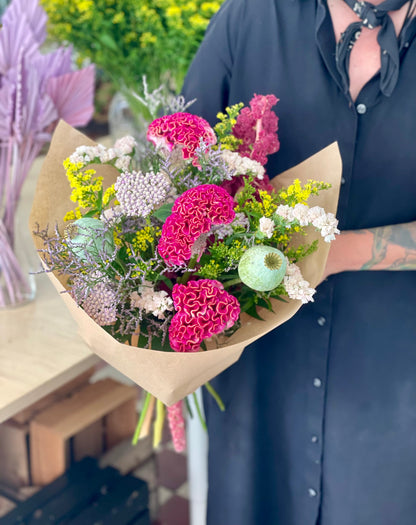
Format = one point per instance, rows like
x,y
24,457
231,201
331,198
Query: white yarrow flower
x,y
266,226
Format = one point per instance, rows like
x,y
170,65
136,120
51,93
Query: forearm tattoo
x,y
393,248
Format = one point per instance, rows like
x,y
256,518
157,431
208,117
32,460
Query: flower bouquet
x,y
173,262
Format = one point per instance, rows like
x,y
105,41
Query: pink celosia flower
x,y
208,200
183,129
177,426
256,127
203,309
178,236
194,212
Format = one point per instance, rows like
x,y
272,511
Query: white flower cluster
x,y
301,213
126,145
296,286
156,303
242,165
120,153
225,230
266,227
140,193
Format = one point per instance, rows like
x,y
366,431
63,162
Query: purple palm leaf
x,y
52,64
14,40
34,109
32,13
73,95
7,101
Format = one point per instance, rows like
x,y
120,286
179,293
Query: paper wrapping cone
x,y
170,376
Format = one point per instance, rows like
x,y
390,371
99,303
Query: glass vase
x,y
17,283
122,120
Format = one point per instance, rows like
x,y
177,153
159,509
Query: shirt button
x,y
317,383
406,44
312,493
342,180
314,439
321,321
361,109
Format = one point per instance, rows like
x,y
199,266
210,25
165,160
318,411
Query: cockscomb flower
x,y
194,212
181,129
257,126
203,309
178,237
140,193
210,200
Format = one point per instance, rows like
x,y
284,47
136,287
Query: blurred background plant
x,y
36,90
129,39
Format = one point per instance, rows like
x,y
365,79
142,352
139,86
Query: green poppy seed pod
x,y
262,268
88,236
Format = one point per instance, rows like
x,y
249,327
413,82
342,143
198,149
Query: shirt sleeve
x,y
208,78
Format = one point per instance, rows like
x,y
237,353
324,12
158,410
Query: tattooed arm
x,y
383,248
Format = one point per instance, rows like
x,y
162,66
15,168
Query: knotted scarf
x,y
371,17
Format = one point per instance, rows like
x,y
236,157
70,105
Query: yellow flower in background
x,y
198,21
147,39
127,39
118,18
173,11
84,5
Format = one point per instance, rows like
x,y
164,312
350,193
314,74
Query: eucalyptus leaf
x,y
163,212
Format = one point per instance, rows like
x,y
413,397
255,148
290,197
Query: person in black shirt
x,y
320,425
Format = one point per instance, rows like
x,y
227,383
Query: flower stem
x,y
215,395
185,277
141,418
158,426
188,408
198,409
232,282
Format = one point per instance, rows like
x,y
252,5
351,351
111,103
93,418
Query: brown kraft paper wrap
x,y
170,376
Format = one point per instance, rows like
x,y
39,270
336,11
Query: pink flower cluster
x,y
203,309
257,128
183,129
193,214
177,426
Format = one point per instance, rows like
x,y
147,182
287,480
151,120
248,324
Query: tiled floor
x,y
172,486
166,475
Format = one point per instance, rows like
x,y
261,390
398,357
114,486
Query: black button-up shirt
x,y
321,412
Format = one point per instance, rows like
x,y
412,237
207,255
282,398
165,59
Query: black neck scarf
x,y
372,16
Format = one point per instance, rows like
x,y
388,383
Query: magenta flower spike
x,y
177,426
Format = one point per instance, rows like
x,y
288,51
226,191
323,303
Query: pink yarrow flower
x,y
203,309
181,129
257,128
194,212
